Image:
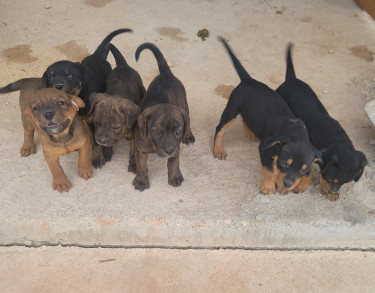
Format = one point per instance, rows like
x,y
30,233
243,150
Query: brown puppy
x,y
114,113
61,131
27,88
164,122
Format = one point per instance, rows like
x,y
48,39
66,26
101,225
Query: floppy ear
x,y
77,102
332,159
317,155
45,78
362,164
143,119
269,142
188,136
131,111
94,99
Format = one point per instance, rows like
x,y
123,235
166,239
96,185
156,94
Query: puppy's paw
x,y
282,190
98,162
61,184
221,155
267,188
107,154
141,183
85,172
176,180
132,167
300,188
189,140
26,150
332,196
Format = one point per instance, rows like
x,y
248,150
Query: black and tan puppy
x,y
341,162
164,122
285,150
114,113
27,88
61,131
82,79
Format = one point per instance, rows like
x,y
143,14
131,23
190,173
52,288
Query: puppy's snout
x,y
59,86
101,140
49,115
169,150
288,182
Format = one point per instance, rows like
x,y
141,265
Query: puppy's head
x,y
54,111
293,159
111,116
341,166
66,76
165,125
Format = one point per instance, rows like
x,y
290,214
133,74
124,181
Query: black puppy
x,y
285,150
164,122
341,162
82,79
114,112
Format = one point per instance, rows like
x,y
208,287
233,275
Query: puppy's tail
x,y
14,86
163,66
120,60
237,65
290,73
102,50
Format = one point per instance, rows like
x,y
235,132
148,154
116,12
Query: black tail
x,y
102,50
289,64
120,60
14,86
163,66
237,65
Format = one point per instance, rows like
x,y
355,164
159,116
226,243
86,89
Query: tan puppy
x,y
27,88
61,132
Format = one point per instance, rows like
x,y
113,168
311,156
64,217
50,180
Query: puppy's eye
x,y
36,108
60,103
116,126
155,132
50,78
69,75
178,132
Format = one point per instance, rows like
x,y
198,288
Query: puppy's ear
x,y
77,102
329,160
45,78
131,111
276,143
94,99
143,119
362,164
188,135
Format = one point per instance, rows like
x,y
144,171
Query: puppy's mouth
x,y
56,128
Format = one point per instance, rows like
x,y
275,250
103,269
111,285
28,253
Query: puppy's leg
x,y
84,163
28,146
269,176
107,153
303,183
175,177
140,181
59,182
227,118
132,165
325,189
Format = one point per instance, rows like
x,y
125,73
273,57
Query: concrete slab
x,y
218,204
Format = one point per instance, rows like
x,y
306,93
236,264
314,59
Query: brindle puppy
x,y
164,122
114,113
82,79
27,88
61,132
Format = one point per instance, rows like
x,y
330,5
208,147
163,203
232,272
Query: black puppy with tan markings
x,y
164,122
285,150
113,114
341,162
82,79
61,131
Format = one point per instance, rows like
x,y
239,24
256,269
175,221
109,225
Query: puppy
x,y
285,150
61,132
27,88
114,113
164,122
82,79
341,162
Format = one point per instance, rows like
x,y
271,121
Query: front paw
x,y
141,183
98,162
189,140
220,154
107,154
332,196
85,172
267,188
132,167
282,190
176,180
61,184
27,150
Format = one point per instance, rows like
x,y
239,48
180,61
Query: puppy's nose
x,y
48,115
169,150
101,140
288,182
59,86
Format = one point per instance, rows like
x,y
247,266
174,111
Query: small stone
x,y
47,6
372,141
4,24
331,51
325,91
